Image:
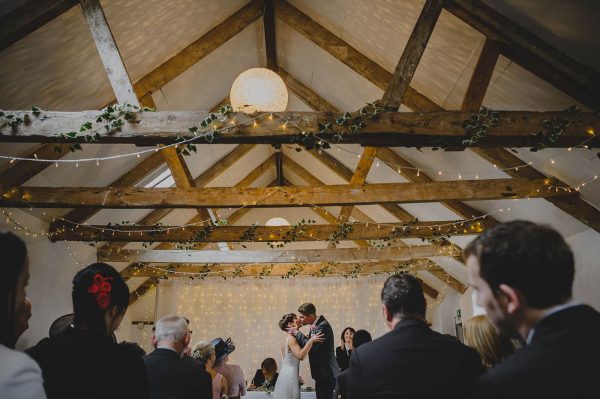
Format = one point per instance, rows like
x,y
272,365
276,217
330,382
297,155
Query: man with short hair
x,y
323,366
522,274
411,360
169,375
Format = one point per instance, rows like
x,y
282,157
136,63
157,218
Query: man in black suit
x,y
323,366
169,374
523,276
411,360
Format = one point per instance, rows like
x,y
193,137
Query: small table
x,y
265,395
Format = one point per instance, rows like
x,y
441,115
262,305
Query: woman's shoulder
x,y
18,367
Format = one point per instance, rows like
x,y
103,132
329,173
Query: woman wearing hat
x,y
233,373
204,352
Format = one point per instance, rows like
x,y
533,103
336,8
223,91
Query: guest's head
x,y
204,352
14,276
223,348
100,298
23,316
481,335
308,313
402,298
347,334
172,332
519,269
361,337
268,368
288,321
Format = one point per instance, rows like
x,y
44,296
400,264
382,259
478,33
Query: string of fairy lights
x,y
254,122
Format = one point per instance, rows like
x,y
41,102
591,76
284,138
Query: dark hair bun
x,y
285,320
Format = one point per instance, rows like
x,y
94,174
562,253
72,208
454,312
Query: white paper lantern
x,y
258,90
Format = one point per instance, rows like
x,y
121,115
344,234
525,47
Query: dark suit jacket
x,y
173,377
413,361
342,357
259,379
561,361
341,385
323,365
89,364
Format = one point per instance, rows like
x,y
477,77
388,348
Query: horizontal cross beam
x,y
295,196
390,129
66,231
274,256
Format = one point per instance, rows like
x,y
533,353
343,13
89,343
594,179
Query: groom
x,y
323,366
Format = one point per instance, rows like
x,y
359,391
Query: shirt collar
x,y
547,313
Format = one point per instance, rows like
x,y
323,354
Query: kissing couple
x,y
318,345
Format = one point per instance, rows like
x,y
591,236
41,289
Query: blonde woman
x,y
204,352
481,335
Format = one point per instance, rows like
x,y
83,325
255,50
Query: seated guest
x,y
233,373
204,352
169,374
523,274
266,375
341,385
342,352
20,376
411,360
481,335
84,360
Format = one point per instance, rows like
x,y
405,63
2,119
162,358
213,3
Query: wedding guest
x,y
481,335
20,376
342,352
204,352
341,385
233,373
266,375
523,275
169,374
84,360
411,360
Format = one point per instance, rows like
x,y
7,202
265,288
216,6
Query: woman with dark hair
x,y
20,376
343,352
84,360
287,384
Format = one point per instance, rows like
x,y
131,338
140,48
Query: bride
x,y
287,384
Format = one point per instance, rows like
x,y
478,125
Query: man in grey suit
x,y
323,366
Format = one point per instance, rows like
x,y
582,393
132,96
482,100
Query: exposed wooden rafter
x,y
273,256
525,48
28,17
222,197
432,129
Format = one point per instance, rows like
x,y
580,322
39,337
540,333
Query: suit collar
x,y
564,318
166,352
410,323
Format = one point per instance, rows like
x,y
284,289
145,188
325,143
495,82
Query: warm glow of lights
x,y
258,89
590,131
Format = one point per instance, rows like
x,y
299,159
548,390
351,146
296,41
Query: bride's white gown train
x,y
287,383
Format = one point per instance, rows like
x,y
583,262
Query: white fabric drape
x,y
248,310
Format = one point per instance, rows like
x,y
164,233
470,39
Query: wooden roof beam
x,y
331,195
390,129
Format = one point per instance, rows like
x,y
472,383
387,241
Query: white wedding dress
x,y
287,383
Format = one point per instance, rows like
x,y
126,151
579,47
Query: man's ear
x,y
387,315
187,338
512,299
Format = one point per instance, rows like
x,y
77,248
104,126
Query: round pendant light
x,y
258,90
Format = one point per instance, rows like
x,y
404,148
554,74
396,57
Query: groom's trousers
x,y
324,388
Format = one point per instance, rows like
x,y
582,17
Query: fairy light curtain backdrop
x,y
248,310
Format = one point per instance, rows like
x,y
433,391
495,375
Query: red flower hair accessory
x,y
100,289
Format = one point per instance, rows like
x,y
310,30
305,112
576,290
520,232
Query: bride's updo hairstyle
x,y
285,320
